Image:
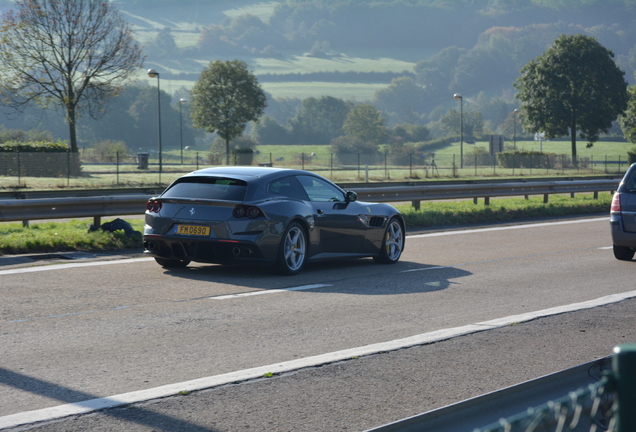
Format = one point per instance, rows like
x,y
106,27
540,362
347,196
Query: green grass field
x,y
74,235
300,157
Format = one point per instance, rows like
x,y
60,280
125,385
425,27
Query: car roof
x,y
245,172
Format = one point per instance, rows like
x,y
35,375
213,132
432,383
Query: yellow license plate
x,y
193,230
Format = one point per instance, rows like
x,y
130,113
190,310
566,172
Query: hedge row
x,y
34,147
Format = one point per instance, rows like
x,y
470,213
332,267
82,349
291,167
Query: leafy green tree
x,y
365,122
574,86
628,118
401,96
163,45
71,54
269,132
225,98
349,148
319,120
473,123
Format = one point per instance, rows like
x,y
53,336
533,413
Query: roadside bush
x,y
350,150
38,159
530,159
477,156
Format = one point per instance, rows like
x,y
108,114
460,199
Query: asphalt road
x,y
78,331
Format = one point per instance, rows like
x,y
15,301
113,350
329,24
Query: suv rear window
x,y
218,188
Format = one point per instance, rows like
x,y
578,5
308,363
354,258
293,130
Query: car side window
x,y
287,187
320,191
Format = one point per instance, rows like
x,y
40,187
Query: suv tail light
x,y
153,206
616,203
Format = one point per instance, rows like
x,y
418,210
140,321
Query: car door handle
x,y
320,212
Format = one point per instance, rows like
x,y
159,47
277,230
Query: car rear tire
x,y
392,244
292,252
623,253
171,263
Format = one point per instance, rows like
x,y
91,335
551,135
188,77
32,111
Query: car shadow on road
x,y
141,415
361,276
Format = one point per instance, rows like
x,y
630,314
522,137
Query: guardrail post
x,y
624,368
416,204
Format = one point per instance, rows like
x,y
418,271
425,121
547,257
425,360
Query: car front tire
x,y
292,252
623,253
171,263
392,244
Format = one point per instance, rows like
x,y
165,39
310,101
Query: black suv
x,y
623,217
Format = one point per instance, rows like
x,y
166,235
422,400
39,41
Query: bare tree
x,y
69,54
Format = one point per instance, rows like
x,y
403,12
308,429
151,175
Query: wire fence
x,y
34,170
588,409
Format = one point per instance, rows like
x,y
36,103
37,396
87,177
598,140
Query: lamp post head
x,y
457,96
182,101
516,111
153,73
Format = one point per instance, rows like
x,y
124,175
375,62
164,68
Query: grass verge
x,y
74,236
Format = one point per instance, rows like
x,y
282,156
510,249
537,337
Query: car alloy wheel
x,y
293,250
393,243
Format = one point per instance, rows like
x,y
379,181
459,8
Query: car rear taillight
x,y
249,211
153,206
616,203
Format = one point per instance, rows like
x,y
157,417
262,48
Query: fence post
x,y
68,167
624,369
386,168
117,165
19,170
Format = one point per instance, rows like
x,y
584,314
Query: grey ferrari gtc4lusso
x,y
281,218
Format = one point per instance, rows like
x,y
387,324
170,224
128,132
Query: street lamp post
x,y
154,74
459,97
181,102
514,140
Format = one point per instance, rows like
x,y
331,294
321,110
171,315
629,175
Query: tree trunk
x,y
227,151
72,133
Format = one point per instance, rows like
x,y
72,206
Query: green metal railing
x,y
609,405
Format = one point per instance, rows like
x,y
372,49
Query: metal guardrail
x,y
61,208
484,190
588,397
120,205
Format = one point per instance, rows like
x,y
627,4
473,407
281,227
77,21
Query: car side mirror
x,y
351,196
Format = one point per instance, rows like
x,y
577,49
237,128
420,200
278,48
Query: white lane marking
x,y
505,228
437,234
73,265
57,412
266,291
607,247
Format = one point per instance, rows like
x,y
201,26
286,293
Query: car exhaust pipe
x,y
236,251
247,252
150,245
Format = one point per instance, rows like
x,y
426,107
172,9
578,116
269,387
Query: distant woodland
x,y
472,47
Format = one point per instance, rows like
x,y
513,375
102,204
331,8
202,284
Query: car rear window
x,y
219,188
629,182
